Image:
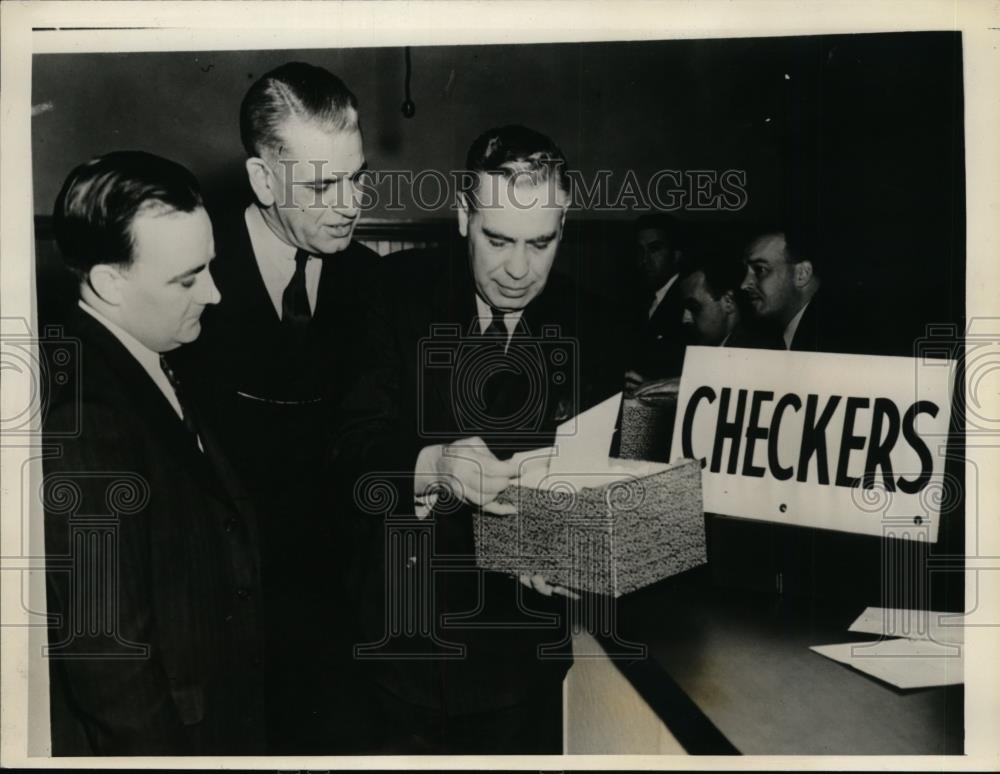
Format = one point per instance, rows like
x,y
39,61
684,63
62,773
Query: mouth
x,y
509,292
342,230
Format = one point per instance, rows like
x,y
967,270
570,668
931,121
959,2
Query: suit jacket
x,y
272,394
831,325
421,377
152,569
660,341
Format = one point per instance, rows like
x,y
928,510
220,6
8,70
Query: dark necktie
x,y
496,329
186,411
295,300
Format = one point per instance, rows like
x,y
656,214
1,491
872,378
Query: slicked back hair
x,y
294,90
97,206
517,153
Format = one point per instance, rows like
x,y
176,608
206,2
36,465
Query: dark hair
x,y
661,221
297,90
513,151
802,242
723,270
101,198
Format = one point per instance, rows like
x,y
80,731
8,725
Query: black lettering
x,y
706,393
755,433
849,441
879,448
910,434
814,438
777,471
730,430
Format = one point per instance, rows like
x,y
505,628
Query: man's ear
x,y
728,301
803,273
106,281
261,180
463,215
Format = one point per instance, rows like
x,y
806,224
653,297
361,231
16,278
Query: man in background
x,y
277,354
658,340
151,544
714,306
785,289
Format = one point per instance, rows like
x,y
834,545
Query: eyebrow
x,y
191,272
335,178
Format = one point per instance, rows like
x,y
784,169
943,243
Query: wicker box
x,y
647,427
636,523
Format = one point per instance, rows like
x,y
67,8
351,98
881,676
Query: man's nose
x,y
748,280
517,262
208,293
347,200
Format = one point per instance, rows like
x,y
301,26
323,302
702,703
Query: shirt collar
x,y
266,244
658,298
148,359
793,325
485,313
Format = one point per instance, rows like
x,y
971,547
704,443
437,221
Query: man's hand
x,y
475,475
658,388
632,380
539,584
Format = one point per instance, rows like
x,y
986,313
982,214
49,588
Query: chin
x,y
190,333
327,245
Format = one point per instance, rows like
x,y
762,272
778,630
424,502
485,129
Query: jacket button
x,y
231,524
243,593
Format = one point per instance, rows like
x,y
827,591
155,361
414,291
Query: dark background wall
x,y
862,132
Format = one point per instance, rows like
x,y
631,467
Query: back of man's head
x,y
101,198
723,270
294,90
517,154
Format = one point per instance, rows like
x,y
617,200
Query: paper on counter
x,y
913,624
904,663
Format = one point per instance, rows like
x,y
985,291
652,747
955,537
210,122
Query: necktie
x,y
295,300
186,411
496,329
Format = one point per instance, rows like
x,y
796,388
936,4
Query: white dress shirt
x,y
276,260
485,313
793,325
660,294
149,360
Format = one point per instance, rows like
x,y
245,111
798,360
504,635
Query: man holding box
x,y
475,359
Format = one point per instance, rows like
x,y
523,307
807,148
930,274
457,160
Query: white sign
x,y
846,442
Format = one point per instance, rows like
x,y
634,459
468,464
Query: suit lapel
x,y
152,405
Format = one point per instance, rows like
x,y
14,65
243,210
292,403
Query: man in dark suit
x,y
659,337
152,554
459,375
784,287
275,357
